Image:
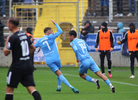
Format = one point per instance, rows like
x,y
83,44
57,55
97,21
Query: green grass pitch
x,y
46,84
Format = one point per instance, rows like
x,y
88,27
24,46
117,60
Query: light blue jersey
x,y
81,49
49,46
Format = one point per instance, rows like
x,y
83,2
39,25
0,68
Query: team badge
x,y
71,44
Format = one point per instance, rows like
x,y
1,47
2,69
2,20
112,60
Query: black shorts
x,y
15,77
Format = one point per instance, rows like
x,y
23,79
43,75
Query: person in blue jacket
x,y
120,27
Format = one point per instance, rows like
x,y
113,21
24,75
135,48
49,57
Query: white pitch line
x,y
111,81
98,79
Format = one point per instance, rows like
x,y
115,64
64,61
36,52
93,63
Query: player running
x,y
81,51
48,45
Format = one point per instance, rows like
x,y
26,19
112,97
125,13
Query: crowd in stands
x,y
119,3
91,7
3,2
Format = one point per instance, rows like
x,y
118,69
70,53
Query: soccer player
x,y
48,45
105,40
132,37
21,69
81,51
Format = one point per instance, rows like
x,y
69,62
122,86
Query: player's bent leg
x,y
62,78
107,81
30,89
89,79
65,81
82,76
9,93
9,89
34,92
98,73
58,72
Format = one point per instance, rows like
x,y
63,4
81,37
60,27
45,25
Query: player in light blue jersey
x,y
81,49
49,47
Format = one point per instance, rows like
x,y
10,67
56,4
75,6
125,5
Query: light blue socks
x,y
88,78
64,80
59,81
108,82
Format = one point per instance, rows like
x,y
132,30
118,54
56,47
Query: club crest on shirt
x,y
71,44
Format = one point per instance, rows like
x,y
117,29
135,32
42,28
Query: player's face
x,y
102,27
9,25
71,38
87,24
50,31
132,28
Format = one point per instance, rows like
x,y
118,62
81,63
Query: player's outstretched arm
x,y
53,21
58,28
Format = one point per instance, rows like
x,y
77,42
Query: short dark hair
x,y
29,30
104,24
14,21
46,29
72,32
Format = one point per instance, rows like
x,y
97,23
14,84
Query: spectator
x,y
106,2
28,14
88,28
125,46
1,34
105,40
91,4
130,7
2,3
119,4
132,37
17,3
120,27
30,35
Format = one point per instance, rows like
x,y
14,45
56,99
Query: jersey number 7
x,y
45,42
